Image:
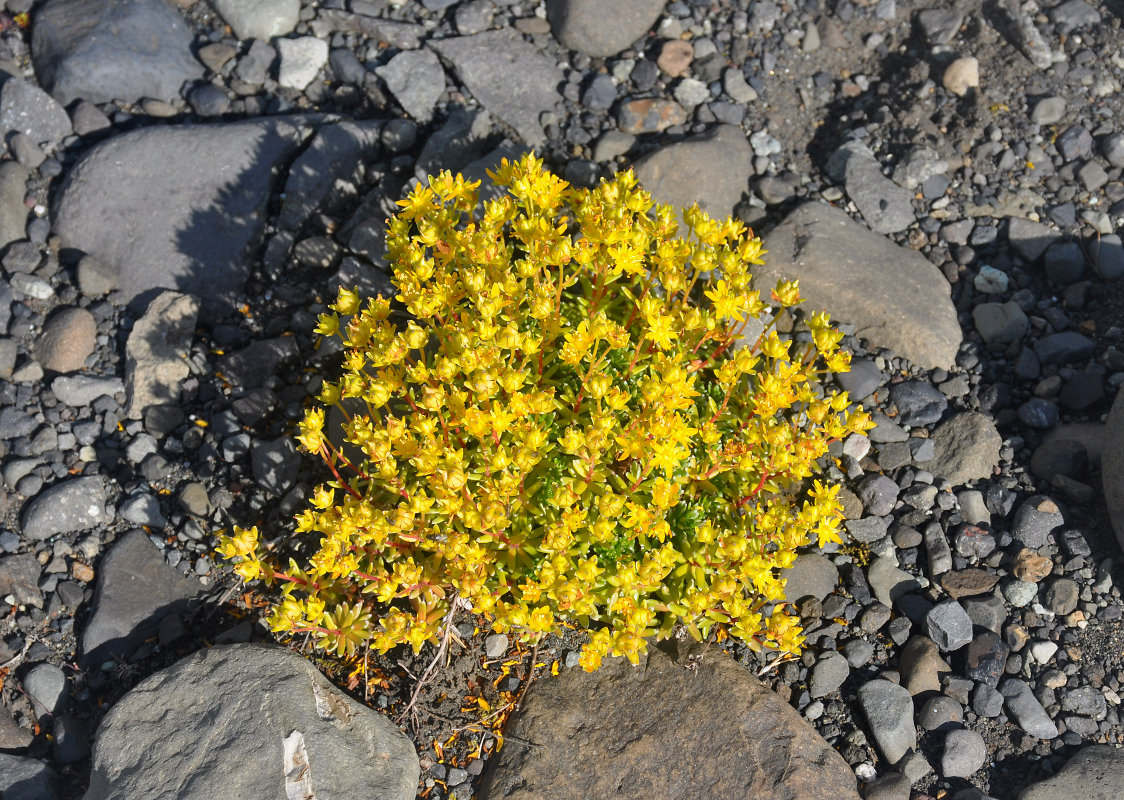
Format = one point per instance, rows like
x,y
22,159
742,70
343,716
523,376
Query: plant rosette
x,y
583,423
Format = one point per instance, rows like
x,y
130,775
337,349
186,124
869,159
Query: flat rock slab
x,y
895,297
177,208
665,732
711,169
102,50
509,77
1112,466
136,589
1095,773
247,720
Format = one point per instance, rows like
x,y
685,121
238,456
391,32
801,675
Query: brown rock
x,y
68,338
675,57
1031,567
968,582
665,730
649,116
921,666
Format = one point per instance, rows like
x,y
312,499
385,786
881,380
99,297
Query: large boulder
x,y
681,727
102,50
893,296
1112,466
247,720
177,208
1095,773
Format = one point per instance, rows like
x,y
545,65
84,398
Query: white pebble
x,y
961,75
301,60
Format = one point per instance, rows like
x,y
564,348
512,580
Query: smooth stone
x,y
888,709
200,244
259,19
921,666
1026,710
69,337
722,716
893,296
581,24
1112,466
27,779
829,673
78,391
1096,772
711,169
248,720
888,582
74,504
31,111
964,754
811,574
103,50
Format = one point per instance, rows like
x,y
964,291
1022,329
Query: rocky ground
x,y
186,184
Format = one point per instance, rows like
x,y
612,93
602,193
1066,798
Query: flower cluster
x,y
577,426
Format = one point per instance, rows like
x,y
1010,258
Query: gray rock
x,y
1030,239
13,212
136,589
986,701
949,625
828,674
937,549
336,153
495,645
275,464
48,687
580,24
940,713
1026,710
964,754
221,176
1112,466
863,378
509,77
19,577
253,365
711,169
1073,14
1062,596
95,278
75,504
1112,147
417,81
878,494
893,296
940,25
1064,348
1035,520
300,61
1000,323
1064,262
888,582
722,715
142,508
27,779
71,741
259,19
1048,110
888,709
867,529
156,352
887,786
966,447
102,50
29,110
1107,254
81,390
810,575
474,16
918,402
219,722
1096,772
886,207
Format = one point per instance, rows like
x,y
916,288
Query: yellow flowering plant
x,y
575,427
